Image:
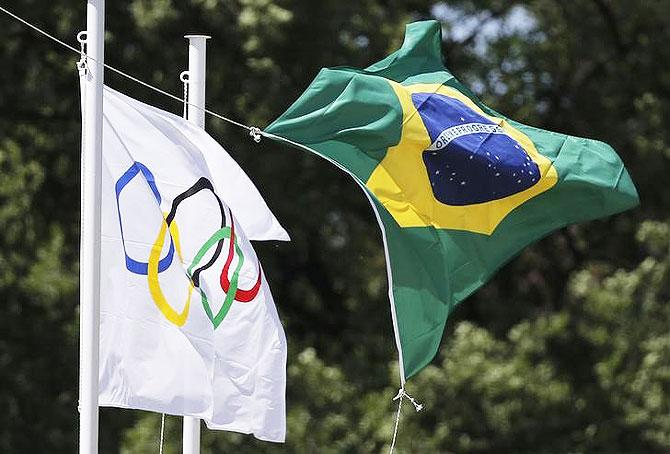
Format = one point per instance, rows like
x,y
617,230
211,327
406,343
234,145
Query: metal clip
x,y
255,133
82,65
184,77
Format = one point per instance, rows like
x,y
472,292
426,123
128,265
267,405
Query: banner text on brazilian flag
x,y
458,188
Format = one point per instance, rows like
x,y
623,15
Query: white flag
x,y
187,322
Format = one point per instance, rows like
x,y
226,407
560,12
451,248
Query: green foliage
x,y
567,350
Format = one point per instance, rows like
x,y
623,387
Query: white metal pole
x,y
197,62
197,52
89,261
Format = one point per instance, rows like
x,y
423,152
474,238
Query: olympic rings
x,y
154,266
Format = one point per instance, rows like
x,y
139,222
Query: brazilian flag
x,y
458,188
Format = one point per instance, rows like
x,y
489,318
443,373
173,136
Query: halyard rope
x,y
160,446
397,419
121,73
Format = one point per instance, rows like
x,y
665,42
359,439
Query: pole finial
x,y
190,36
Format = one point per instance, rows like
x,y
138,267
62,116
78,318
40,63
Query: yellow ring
x,y
152,275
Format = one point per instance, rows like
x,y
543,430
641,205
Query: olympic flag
x,y
187,321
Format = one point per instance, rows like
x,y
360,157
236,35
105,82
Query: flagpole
x,y
197,52
89,261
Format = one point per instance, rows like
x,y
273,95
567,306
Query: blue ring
x,y
133,265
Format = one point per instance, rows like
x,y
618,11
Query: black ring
x,y
201,184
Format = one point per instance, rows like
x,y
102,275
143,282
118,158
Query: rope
x,y
123,74
397,420
160,445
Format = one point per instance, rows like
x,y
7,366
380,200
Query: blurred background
x,y
566,350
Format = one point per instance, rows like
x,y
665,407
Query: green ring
x,y
219,235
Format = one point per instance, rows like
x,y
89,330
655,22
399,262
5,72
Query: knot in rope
x,y
402,393
255,134
399,397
